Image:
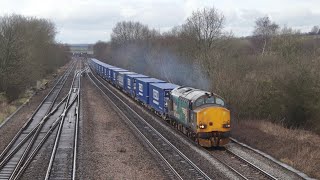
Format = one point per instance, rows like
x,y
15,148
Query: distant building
x,y
81,48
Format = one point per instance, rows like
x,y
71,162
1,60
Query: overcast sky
x,y
87,21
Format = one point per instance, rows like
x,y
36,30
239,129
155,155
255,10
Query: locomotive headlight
x,y
202,126
226,125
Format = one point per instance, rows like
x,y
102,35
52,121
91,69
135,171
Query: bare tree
x,y
206,26
265,29
315,30
285,30
128,31
100,49
204,36
11,51
28,52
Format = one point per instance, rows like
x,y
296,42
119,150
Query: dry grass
x,y
6,110
298,148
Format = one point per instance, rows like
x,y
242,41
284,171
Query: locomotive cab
x,y
213,121
202,114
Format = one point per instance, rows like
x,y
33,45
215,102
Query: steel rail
x,y
43,140
18,146
53,154
229,167
267,156
30,145
8,147
263,172
35,131
11,143
75,150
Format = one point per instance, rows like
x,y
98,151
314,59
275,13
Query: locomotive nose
x,y
212,119
213,126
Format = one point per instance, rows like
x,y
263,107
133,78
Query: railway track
x,y
62,163
24,146
235,147
175,163
239,165
17,150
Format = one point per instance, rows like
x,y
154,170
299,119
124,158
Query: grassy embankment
x,y
7,108
296,147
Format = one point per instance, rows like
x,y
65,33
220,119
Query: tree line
x,y
28,52
274,74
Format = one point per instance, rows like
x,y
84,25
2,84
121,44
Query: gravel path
x,y
108,148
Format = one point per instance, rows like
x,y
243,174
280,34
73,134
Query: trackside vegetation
x,y
28,53
272,75
270,79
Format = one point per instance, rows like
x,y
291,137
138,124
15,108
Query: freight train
x,y
201,115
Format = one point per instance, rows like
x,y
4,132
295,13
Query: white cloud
x,y
87,21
